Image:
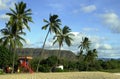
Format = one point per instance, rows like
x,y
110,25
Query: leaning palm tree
x,y
53,25
64,35
21,16
12,40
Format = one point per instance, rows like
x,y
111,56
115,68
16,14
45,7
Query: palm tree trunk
x,y
13,60
42,50
59,53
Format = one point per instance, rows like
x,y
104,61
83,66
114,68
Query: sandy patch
x,y
64,75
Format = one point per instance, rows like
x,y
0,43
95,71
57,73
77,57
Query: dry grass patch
x,y
64,75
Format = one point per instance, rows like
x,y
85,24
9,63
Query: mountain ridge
x,y
36,52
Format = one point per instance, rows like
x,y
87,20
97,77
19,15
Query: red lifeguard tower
x,y
24,62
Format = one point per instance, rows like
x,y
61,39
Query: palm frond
x,y
45,27
45,21
54,42
28,11
13,11
27,26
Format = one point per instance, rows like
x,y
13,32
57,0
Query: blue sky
x,y
97,19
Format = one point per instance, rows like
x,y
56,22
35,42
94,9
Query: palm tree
x,y
53,25
90,57
85,44
84,47
94,56
20,16
80,55
12,40
63,36
19,19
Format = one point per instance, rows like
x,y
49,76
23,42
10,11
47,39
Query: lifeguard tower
x,y
24,62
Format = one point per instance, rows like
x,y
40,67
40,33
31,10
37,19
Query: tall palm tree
x,y
53,25
20,16
63,36
19,19
12,40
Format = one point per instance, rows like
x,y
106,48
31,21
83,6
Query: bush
x,y
5,57
44,68
72,65
58,70
33,63
1,71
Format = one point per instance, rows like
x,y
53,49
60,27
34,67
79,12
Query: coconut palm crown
x,y
20,16
64,35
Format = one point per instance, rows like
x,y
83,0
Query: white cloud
x,y
85,9
28,41
107,50
56,6
28,44
100,43
112,21
88,9
109,53
77,38
5,4
101,46
2,5
106,47
97,39
4,17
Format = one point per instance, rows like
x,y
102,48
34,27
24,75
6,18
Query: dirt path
x,y
67,75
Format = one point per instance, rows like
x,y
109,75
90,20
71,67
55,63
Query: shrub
x,y
44,68
5,57
33,63
58,70
1,71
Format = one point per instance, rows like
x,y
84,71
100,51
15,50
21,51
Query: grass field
x,y
64,75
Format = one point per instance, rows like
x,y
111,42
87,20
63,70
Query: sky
x,y
99,20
